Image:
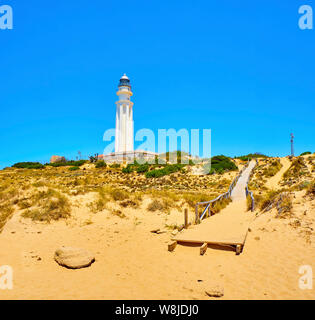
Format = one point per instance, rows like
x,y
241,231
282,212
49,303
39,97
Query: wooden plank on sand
x,y
203,249
172,246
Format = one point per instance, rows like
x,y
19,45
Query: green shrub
x,y
220,164
100,164
128,169
67,163
251,156
168,169
28,165
115,165
305,153
74,168
142,168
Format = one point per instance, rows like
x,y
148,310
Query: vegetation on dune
x,y
101,203
106,194
71,163
157,205
175,157
28,165
168,169
297,169
251,156
100,164
74,168
6,211
115,165
137,167
274,167
249,202
311,189
47,206
279,199
305,153
192,198
45,195
220,164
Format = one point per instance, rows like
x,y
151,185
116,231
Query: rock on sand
x,y
74,258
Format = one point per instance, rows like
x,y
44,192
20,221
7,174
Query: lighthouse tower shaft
x,y
124,135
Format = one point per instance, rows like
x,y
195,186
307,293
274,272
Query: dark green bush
x,y
100,164
142,168
67,163
128,169
220,164
74,168
28,165
305,153
165,171
251,156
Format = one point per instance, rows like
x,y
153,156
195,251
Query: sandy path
x,y
230,225
273,182
239,192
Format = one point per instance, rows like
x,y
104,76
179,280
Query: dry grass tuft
x,y
47,206
279,199
157,205
6,211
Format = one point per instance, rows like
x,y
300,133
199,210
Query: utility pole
x,y
292,145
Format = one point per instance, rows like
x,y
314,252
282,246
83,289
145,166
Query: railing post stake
x,y
186,219
196,214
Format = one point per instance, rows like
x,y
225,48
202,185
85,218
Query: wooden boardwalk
x,y
229,227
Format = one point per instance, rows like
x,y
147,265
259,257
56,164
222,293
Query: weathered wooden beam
x,y
203,249
172,245
238,249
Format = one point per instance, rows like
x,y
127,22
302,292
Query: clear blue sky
x,y
241,68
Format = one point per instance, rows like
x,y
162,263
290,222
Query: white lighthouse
x,y
124,117
124,133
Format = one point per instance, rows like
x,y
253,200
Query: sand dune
x,y
273,182
133,263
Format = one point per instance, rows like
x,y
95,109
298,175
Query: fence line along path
x,y
227,228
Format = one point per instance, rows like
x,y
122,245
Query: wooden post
x,y
196,214
172,246
186,219
203,249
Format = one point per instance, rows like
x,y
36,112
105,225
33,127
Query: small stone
x,y
216,291
174,232
257,238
